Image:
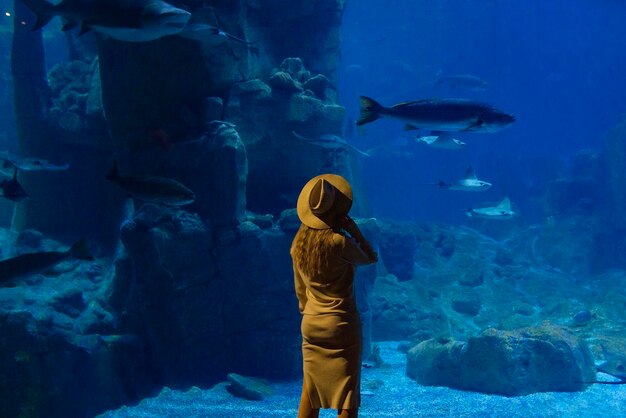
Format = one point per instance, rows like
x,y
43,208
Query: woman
x,y
325,252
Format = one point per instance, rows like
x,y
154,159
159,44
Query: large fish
x,y
160,190
125,20
499,212
12,189
330,141
469,183
33,263
454,115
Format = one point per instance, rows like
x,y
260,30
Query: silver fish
x,y
439,139
469,183
125,20
453,115
501,211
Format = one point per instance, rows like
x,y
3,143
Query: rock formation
x,y
511,363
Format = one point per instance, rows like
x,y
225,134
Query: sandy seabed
x,y
397,396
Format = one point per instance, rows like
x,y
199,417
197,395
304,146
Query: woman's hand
x,y
349,225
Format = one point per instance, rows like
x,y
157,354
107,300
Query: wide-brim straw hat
x,y
323,200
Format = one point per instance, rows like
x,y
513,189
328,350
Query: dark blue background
x,y
559,66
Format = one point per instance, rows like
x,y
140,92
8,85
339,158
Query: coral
x,y
317,84
281,80
295,68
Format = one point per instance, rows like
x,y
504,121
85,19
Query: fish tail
x,y
113,174
80,251
42,9
370,111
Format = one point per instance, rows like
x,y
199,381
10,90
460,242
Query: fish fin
x,y
409,127
80,250
370,111
470,173
479,122
505,204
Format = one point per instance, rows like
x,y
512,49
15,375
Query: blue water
x,y
558,66
555,65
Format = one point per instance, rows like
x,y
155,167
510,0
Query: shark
x,y
330,141
33,263
469,183
7,163
440,139
124,20
501,211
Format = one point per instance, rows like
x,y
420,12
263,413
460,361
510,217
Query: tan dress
x,y
331,329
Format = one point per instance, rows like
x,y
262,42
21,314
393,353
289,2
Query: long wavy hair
x,y
311,249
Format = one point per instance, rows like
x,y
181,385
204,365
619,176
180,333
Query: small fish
x,y
33,263
501,211
12,189
330,141
440,139
469,183
452,115
124,20
30,164
160,190
466,82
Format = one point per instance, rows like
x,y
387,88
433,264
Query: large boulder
x,y
208,304
510,363
58,336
